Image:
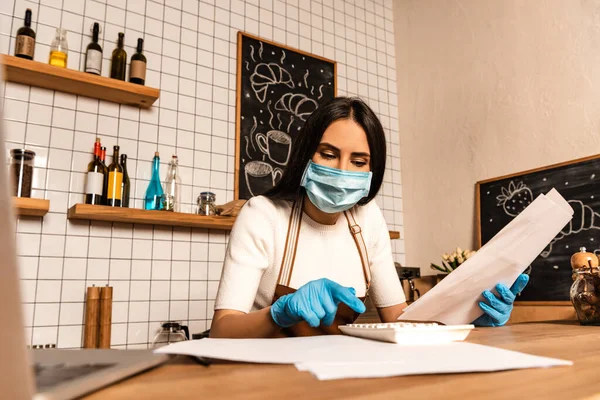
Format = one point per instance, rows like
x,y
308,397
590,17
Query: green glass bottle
x,y
119,60
126,185
137,69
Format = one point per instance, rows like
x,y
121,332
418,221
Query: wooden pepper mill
x,y
583,259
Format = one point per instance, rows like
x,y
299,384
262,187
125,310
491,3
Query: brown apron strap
x,y
291,243
360,245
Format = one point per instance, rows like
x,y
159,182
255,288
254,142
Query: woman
x,y
302,257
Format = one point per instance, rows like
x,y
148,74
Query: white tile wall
x,y
160,273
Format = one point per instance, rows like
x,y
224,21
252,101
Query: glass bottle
x,y
126,185
95,178
115,180
172,190
137,69
206,203
585,291
60,49
119,60
105,185
154,193
93,53
25,43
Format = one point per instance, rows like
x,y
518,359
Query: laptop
x,y
49,373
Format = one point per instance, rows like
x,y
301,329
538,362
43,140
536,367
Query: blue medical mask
x,y
332,190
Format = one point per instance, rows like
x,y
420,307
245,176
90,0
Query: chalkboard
x,y
277,89
499,200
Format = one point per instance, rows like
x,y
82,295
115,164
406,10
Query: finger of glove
x,y
341,294
505,294
519,284
317,308
330,310
495,302
492,313
310,317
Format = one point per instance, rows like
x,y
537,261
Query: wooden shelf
x,y
137,216
46,76
146,217
25,206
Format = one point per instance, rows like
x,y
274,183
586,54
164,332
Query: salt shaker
x,y
585,291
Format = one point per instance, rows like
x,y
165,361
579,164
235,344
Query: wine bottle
x,y
137,69
154,193
115,180
172,190
125,186
59,51
25,43
95,178
103,161
119,60
93,53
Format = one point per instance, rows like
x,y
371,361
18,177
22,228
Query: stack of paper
x,y
338,357
454,301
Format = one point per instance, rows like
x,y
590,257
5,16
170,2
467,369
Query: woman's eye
x,y
328,156
359,163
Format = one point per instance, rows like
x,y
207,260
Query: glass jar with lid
x,y
21,170
206,203
585,291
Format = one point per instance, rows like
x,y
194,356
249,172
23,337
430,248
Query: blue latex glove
x,y
315,302
498,311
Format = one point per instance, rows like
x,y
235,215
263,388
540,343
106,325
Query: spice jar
x,y
585,291
206,204
21,169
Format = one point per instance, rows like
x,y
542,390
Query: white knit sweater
x,y
256,245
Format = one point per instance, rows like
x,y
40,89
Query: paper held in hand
x,y
454,301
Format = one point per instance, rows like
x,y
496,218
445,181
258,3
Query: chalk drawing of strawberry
x,y
515,199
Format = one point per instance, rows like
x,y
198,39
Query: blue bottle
x,y
154,193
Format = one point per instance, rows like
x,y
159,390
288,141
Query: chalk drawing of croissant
x,y
584,219
297,104
265,75
517,197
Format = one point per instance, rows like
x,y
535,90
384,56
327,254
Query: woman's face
x,y
344,146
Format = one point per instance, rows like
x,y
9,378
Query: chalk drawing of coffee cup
x,y
261,176
276,145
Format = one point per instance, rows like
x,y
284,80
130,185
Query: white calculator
x,y
411,333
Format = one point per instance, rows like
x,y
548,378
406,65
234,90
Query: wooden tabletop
x,y
565,340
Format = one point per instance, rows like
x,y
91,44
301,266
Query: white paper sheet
x,y
337,356
454,301
458,357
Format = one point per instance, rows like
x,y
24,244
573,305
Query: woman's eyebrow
x,y
333,148
329,146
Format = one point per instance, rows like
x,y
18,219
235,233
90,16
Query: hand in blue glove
x,y
315,302
498,311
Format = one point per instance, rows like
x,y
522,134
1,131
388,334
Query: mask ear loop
x,y
304,174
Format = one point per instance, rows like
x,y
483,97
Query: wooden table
x,y
566,340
